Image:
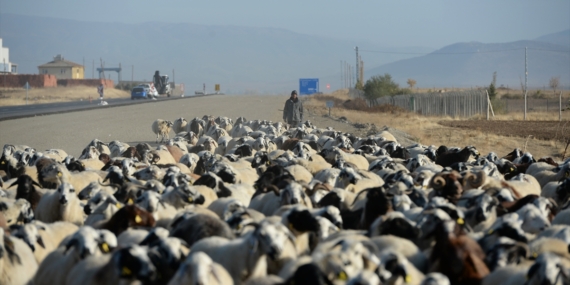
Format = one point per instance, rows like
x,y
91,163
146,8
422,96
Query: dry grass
x,y
429,132
56,94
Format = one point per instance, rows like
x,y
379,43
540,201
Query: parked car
x,y
139,92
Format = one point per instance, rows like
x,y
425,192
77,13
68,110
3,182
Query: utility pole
x,y
83,67
93,70
132,74
357,64
525,81
341,77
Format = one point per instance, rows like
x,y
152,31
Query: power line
x,y
467,52
419,53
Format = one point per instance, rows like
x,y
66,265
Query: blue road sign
x,y
308,86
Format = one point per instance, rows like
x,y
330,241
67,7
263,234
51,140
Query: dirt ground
x,y
543,130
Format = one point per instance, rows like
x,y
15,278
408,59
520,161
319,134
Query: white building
x,y
5,65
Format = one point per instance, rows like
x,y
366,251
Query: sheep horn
x,y
475,179
438,182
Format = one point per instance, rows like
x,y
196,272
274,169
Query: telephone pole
x,y
525,81
357,64
341,76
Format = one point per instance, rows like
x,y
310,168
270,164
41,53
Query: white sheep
x,y
44,238
17,262
15,211
199,268
57,173
161,128
267,239
129,265
85,242
60,205
269,203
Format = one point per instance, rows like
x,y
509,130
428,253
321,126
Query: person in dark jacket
x,y
293,111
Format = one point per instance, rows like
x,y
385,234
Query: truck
x,y
161,84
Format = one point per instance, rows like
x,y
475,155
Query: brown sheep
x,y
128,216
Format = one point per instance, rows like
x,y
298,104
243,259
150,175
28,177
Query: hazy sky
x,y
433,23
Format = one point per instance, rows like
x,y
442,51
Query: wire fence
x,y
454,103
461,103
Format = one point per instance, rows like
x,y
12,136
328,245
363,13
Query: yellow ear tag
x,y
268,162
460,221
126,271
105,247
290,226
239,226
490,231
534,254
118,205
130,201
342,276
3,162
512,169
408,279
138,219
190,199
59,174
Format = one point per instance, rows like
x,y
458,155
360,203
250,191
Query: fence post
x,y
560,107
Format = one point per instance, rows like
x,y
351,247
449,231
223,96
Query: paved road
x,y
14,112
130,123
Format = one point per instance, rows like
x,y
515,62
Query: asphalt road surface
x,y
131,123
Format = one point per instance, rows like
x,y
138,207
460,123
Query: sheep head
x,y
447,185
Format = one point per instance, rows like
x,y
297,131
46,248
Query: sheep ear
x,y
40,241
71,243
15,183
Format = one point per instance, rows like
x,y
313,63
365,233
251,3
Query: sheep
x,y
57,174
127,216
300,173
16,211
179,125
60,205
456,255
556,174
162,212
17,262
359,161
292,194
562,218
83,243
267,239
352,181
43,238
127,265
199,268
240,191
193,227
559,191
101,208
342,258
404,247
185,195
448,158
161,128
400,268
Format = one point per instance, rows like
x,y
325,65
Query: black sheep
x,y
448,158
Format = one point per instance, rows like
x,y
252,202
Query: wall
x,y
85,82
35,80
78,72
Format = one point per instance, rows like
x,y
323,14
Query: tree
x,y
492,90
554,81
380,86
359,85
411,83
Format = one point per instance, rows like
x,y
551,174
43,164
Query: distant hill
x,y
241,59
473,64
560,38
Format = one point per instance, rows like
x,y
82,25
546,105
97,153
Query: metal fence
x,y
533,105
461,103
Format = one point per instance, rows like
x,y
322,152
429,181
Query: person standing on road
x,y
293,111
100,90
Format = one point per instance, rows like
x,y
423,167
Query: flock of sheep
x,y
257,202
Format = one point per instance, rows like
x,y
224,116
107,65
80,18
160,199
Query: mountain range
x,y
269,60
